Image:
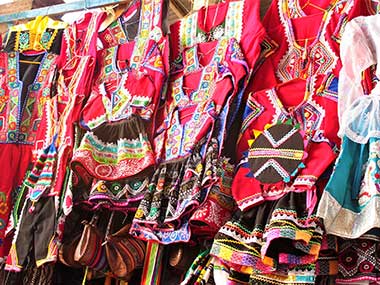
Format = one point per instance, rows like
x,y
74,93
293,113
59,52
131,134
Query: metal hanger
x,y
57,9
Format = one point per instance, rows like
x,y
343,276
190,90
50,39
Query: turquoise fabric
x,y
344,183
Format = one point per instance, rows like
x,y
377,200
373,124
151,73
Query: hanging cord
x,y
108,228
215,15
7,276
204,20
85,276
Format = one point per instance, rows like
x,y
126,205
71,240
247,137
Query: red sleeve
x,y
320,156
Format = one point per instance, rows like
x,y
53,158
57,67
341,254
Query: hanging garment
x,y
358,53
349,203
218,205
56,134
284,132
321,272
40,34
312,40
76,73
192,113
238,19
124,28
287,143
35,231
119,115
26,90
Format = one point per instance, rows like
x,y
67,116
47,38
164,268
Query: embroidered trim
x,y
274,164
112,161
329,89
150,17
319,59
23,121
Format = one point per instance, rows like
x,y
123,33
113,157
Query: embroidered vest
x,y
20,114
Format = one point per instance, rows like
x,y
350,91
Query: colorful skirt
x,y
299,276
114,151
275,236
175,191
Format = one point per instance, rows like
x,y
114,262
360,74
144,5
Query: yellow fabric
x,y
36,29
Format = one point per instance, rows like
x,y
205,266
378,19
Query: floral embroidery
x,y
28,37
119,195
358,260
3,207
370,186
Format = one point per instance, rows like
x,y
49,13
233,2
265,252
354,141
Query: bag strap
x,y
108,230
93,222
110,221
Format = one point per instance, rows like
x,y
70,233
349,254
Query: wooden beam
x,y
179,8
57,9
44,3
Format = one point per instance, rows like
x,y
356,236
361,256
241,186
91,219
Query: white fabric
x,y
363,118
359,49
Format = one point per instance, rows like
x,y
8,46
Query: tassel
x,y
289,122
32,208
